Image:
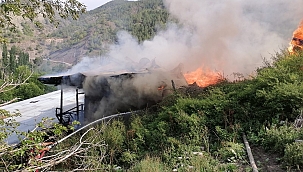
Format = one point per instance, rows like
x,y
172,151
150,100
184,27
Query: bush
x,y
276,138
207,163
150,165
114,135
232,152
293,156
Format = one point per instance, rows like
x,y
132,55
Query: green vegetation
x,y
145,24
90,35
202,132
34,9
18,79
199,131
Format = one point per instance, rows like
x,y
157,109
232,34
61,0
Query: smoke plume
x,y
233,36
222,35
226,36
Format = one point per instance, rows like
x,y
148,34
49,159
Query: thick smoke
x,y
226,36
233,36
223,35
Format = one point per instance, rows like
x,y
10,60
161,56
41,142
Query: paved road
x,y
54,61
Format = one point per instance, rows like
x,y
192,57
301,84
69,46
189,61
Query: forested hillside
x,y
18,76
90,35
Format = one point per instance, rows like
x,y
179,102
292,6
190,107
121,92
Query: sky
x,y
92,4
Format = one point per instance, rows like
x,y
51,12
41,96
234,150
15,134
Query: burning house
x,y
109,91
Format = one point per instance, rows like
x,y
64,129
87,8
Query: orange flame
x,y
161,87
297,40
202,77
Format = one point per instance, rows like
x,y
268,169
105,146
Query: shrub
x,y
293,154
207,163
114,136
277,138
150,165
232,152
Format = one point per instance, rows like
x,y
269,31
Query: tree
x,y
4,55
144,24
33,9
23,58
12,58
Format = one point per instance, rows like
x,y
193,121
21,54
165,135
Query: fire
x,y
161,87
297,40
202,77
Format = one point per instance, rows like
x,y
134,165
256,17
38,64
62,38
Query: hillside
x,y
192,129
91,35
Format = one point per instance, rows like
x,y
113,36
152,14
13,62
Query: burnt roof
x,y
107,68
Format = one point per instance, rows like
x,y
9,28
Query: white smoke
x,y
223,35
233,36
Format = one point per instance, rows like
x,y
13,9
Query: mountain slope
x,y
90,35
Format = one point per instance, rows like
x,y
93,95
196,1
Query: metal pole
x,y
77,103
61,105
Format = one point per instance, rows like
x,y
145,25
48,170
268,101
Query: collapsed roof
x,y
99,67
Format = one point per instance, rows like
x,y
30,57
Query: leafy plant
x,y
232,152
276,138
293,156
150,164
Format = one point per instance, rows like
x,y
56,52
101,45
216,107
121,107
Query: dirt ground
x,y
268,162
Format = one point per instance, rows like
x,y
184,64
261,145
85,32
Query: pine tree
x,y
12,58
4,55
23,58
26,59
20,58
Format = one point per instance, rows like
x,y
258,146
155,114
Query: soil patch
x,y
266,161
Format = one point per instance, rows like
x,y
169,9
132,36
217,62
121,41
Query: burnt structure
x,y
109,93
65,117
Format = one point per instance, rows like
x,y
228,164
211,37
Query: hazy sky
x,y
92,4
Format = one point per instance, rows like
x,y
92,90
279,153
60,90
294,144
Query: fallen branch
x,y
13,85
9,102
250,156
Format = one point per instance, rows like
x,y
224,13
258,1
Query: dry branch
x,y
9,102
13,84
77,149
250,156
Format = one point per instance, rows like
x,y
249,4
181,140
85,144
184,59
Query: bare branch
x,y
65,154
9,102
13,85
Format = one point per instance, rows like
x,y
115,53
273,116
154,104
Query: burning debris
x,y
296,42
203,77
